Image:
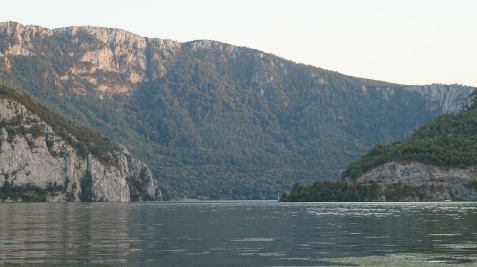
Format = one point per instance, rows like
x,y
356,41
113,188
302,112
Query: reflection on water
x,y
230,233
47,233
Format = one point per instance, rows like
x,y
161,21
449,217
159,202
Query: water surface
x,y
250,233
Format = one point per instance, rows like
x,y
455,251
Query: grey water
x,y
229,233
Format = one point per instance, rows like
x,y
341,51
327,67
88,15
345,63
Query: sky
x,y
407,42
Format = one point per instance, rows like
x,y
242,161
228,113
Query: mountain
x,y
213,120
45,158
437,162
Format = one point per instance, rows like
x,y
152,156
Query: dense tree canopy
x,y
331,191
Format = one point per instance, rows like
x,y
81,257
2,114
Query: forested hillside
x,y
213,120
449,140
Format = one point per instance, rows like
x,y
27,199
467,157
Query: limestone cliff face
x,y
33,154
136,58
432,182
87,52
449,98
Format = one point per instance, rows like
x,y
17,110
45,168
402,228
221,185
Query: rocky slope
x,y
139,59
426,182
437,162
449,99
93,49
34,157
214,120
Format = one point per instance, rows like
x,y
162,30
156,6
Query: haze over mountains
x,y
210,119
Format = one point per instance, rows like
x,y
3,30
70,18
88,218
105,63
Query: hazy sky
x,y
407,42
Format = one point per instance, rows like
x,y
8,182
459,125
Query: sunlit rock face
x,y
136,59
33,154
91,49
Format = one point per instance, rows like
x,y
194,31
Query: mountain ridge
x,y
214,120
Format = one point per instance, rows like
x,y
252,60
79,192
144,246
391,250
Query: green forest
x,y
341,191
331,191
209,128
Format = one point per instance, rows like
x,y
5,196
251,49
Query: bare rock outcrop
x,y
91,54
135,57
431,182
449,98
33,154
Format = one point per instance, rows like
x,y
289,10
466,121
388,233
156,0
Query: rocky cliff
x,y
438,162
92,49
450,99
38,164
201,110
425,182
88,50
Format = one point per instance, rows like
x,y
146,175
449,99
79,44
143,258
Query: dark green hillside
x,y
449,140
218,124
211,125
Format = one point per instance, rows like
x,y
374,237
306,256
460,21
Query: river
x,y
237,233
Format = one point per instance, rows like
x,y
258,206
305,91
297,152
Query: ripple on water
x,y
8,242
456,234
173,250
254,239
272,254
198,253
404,260
459,246
299,259
450,260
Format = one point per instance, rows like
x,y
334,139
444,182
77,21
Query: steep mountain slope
x,y
449,140
44,158
211,119
438,161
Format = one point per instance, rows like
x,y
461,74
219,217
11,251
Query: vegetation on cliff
x,y
218,125
82,139
40,149
204,131
449,140
28,192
